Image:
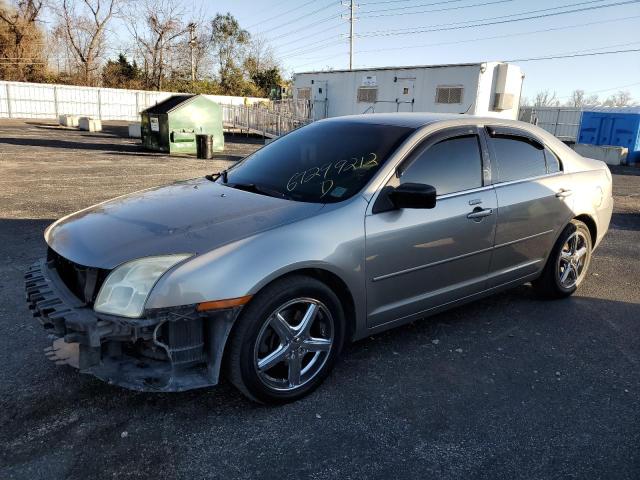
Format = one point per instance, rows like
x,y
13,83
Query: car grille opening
x,y
84,282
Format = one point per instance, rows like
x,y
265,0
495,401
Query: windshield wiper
x,y
216,176
252,187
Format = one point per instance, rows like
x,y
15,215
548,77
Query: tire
x,y
286,340
567,264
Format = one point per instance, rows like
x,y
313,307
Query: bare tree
x,y
545,98
157,36
21,41
259,56
193,55
621,99
579,99
85,30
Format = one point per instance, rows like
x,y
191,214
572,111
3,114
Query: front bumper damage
x,y
168,350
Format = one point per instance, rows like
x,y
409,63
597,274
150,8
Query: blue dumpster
x,y
612,129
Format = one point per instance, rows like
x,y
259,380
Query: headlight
x,y
126,289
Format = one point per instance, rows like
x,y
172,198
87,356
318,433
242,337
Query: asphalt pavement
x,y
510,387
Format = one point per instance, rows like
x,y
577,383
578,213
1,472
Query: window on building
x,y
516,159
304,93
367,94
449,94
452,165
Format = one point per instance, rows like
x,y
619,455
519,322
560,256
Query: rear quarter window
x,y
516,159
553,163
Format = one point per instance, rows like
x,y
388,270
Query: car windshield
x,y
324,162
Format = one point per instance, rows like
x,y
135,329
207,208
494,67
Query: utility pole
x,y
351,20
192,46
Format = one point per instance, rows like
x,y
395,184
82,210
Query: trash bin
x,y
204,145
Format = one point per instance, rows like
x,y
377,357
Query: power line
x,y
365,14
312,35
279,16
496,20
522,33
495,37
483,4
604,90
405,1
305,27
299,52
323,8
554,57
346,52
304,48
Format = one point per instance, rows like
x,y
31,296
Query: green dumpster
x,y
171,126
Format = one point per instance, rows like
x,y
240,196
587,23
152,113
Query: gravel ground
x,y
508,387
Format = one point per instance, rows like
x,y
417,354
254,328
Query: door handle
x,y
564,193
479,213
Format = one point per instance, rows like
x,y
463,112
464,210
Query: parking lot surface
x,y
508,387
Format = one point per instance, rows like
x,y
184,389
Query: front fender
x,y
332,240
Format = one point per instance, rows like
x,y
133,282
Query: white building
x,y
489,89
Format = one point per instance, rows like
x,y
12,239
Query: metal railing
x,y
260,120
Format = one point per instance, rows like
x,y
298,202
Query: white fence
x,y
38,100
562,122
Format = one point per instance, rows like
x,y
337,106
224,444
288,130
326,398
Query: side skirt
x,y
447,306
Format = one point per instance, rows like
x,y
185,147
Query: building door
x,y
320,99
405,97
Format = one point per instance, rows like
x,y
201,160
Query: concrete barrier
x,y
90,124
135,131
608,154
68,120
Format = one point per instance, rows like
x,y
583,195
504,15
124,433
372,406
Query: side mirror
x,y
413,195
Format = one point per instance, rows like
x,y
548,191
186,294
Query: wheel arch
x,y
336,284
591,225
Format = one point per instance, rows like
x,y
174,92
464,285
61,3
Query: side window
x,y
452,165
516,159
553,164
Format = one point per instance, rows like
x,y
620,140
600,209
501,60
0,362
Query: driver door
x,y
419,259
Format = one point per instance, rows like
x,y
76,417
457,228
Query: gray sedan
x,y
343,228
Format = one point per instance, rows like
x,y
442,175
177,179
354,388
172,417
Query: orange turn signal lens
x,y
220,304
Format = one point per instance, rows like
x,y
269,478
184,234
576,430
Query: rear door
x,y
534,203
418,259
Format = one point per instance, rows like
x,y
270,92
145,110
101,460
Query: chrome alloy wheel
x,y
573,260
294,344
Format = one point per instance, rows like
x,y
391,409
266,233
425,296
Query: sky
x,y
312,35
308,35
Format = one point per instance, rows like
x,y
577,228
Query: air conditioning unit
x,y
503,101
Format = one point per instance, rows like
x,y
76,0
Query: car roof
x,y
419,119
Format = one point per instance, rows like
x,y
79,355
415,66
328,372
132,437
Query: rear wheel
x,y
568,262
286,341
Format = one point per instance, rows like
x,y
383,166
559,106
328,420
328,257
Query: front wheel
x,y
286,341
568,262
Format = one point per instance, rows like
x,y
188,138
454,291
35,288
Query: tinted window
x,y
323,162
553,164
451,165
516,159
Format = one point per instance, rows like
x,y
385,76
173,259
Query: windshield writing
x,y
323,162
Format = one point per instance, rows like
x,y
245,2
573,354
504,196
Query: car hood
x,y
194,216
